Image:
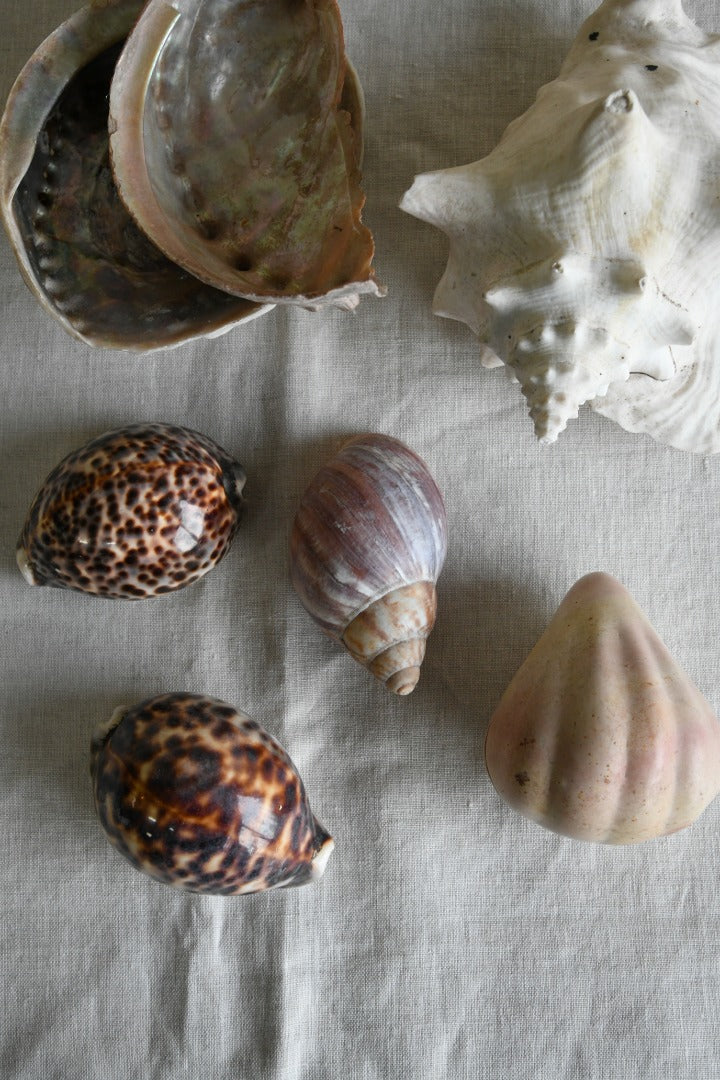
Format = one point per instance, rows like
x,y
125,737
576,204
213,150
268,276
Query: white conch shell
x,y
367,546
585,249
600,735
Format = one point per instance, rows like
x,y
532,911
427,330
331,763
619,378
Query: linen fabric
x,y
450,939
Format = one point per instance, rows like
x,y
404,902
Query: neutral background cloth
x,y
449,938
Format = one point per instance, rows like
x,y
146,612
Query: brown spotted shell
x,y
197,795
367,546
137,512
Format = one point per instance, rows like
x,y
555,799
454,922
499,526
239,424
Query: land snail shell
x,y
197,795
367,546
102,273
137,512
584,247
600,735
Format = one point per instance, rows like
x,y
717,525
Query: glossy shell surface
x,y
367,546
600,735
79,250
584,250
198,796
249,176
135,513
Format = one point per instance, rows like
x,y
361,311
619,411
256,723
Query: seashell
x,y
137,512
79,250
197,795
366,549
233,151
584,248
600,735
198,102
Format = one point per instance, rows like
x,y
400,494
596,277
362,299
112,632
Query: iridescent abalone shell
x,y
80,251
234,149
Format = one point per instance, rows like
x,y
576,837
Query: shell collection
x,y
583,249
600,735
135,513
592,287
197,795
126,228
366,549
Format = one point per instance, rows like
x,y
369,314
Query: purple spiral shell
x,y
371,521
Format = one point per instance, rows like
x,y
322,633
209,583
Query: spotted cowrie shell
x,y
137,512
197,795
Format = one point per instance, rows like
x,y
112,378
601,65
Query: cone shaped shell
x,y
367,546
600,735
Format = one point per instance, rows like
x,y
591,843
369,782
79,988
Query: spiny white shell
x,y
600,735
367,546
585,249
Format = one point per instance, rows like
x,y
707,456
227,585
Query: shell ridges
x,y
600,735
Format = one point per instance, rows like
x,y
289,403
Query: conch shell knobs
x,y
600,735
367,546
584,248
197,795
139,511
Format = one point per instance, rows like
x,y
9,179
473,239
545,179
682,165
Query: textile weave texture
x,y
449,939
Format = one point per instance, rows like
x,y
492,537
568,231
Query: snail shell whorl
x,y
380,636
367,546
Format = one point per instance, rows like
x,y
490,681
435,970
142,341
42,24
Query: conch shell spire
x,y
585,249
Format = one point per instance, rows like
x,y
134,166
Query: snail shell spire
x,y
585,249
367,546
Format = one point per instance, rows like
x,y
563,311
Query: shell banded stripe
x,y
371,520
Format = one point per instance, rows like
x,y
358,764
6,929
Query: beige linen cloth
x,y
449,939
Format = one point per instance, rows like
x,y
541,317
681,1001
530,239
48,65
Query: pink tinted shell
x,y
600,735
371,521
